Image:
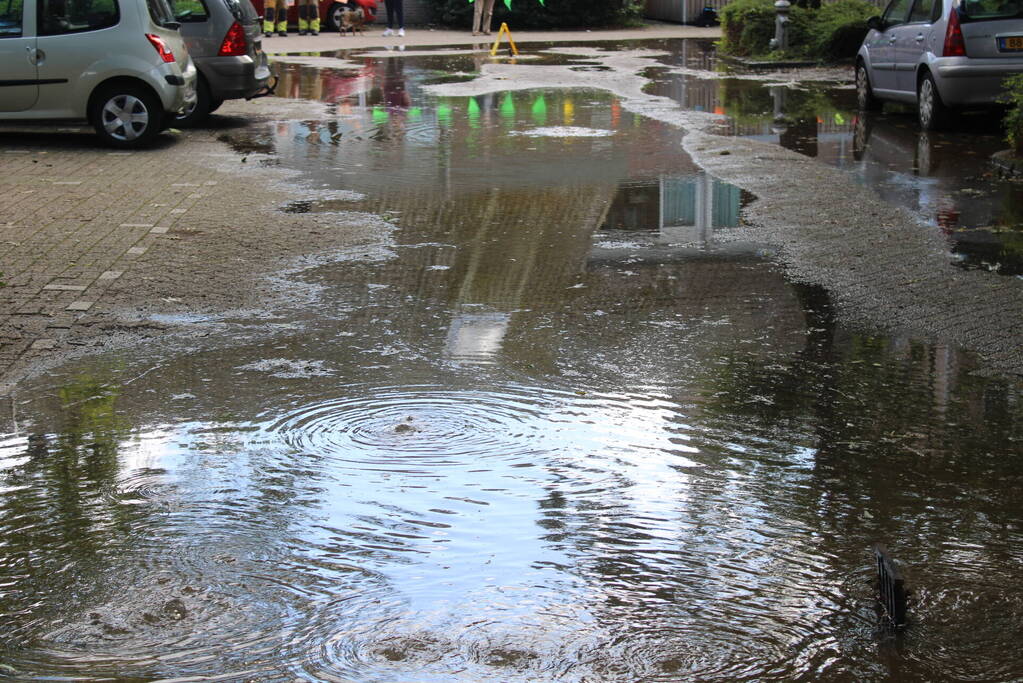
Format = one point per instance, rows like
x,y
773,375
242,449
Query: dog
x,y
352,20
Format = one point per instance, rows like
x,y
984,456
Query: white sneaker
x,y
401,33
388,31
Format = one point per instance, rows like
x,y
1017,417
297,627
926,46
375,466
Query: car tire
x,y
197,113
126,115
865,100
215,104
334,17
931,111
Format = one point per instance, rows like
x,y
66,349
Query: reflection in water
x,y
680,209
566,430
945,179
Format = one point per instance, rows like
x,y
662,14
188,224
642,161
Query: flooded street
x,y
561,423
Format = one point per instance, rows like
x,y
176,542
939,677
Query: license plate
x,y
1011,44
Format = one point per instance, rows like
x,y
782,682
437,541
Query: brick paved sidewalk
x,y
93,241
75,220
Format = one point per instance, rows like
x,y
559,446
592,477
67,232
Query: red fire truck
x,y
330,12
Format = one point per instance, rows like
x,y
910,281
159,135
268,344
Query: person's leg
x,y
488,14
313,15
269,19
399,12
477,15
282,17
389,5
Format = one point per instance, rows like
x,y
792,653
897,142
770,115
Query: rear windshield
x,y
986,10
242,10
160,11
189,11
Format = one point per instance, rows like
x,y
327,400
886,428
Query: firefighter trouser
x,y
308,16
275,16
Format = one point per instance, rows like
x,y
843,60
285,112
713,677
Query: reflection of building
x,y
476,335
679,208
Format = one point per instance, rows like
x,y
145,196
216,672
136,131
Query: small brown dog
x,y
352,20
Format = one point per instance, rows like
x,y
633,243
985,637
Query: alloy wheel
x,y
862,92
926,102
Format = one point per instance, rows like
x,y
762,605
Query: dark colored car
x,y
224,39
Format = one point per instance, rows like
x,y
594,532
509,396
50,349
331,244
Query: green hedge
x,y
530,14
1013,97
831,33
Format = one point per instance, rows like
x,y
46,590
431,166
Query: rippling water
x,y
561,431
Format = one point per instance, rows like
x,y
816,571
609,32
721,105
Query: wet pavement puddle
x,y
558,425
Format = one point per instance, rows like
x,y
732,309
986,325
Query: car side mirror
x,y
876,23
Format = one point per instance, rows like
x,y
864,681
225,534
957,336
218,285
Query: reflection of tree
x,y
61,518
908,447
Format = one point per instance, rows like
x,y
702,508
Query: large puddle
x,y
560,427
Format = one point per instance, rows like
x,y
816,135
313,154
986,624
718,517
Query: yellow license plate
x,y
1013,43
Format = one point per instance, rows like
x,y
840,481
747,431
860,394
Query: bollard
x,y
891,589
781,25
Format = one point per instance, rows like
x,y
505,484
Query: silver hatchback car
x,y
224,39
119,64
941,55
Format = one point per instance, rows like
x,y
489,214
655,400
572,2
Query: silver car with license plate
x,y
119,64
941,55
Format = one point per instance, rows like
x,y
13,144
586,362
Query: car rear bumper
x,y
232,78
974,82
174,85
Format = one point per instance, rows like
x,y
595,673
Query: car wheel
x,y
931,111
865,99
334,17
197,113
126,115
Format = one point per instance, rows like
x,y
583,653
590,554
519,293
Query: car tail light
x,y
955,45
234,44
161,47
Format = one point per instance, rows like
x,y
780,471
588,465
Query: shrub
x,y
839,28
747,26
554,14
831,33
1013,121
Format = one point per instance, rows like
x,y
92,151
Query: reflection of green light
x,y
540,110
380,115
839,119
474,113
443,113
415,113
507,106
